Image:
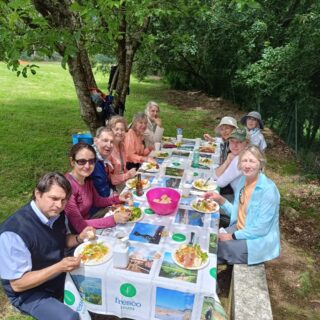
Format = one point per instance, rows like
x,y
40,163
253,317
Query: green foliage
x,y
263,55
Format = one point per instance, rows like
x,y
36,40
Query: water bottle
x,y
195,159
179,134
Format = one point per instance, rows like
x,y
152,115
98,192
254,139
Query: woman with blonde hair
x,y
135,149
118,158
253,235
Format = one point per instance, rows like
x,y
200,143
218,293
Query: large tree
x,y
76,30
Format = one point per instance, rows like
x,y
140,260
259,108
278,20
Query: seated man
x,y
103,145
32,243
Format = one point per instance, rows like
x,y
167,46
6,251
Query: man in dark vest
x,y
32,244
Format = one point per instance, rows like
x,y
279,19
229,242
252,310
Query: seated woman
x,y
224,129
136,152
118,158
228,172
154,130
253,235
84,195
254,125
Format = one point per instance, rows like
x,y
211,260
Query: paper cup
x,y
157,146
186,188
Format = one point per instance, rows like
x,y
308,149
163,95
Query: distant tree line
x,y
264,55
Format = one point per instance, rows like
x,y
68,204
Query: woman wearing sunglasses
x,y
84,195
253,235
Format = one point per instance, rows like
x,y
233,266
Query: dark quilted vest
x,y
45,245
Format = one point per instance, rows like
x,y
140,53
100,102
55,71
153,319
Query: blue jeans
x,y
42,306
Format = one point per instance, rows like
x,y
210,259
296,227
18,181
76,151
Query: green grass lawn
x,y
38,116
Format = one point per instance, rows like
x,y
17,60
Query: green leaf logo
x,y
213,273
69,298
128,290
148,211
178,237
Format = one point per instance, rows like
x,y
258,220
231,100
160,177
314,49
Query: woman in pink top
x,y
118,158
84,195
136,152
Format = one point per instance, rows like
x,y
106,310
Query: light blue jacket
x,y
262,220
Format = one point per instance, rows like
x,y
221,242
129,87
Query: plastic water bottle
x,y
195,159
179,134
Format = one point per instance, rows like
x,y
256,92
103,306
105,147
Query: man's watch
x,y
234,237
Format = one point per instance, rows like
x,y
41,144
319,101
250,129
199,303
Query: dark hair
x,y
53,178
78,147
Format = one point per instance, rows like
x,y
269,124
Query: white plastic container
x,y
121,253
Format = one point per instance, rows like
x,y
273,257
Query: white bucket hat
x,y
227,120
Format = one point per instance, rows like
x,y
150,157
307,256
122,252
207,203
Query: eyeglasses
x,y
82,162
242,195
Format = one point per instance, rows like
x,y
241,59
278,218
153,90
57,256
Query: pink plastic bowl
x,y
163,208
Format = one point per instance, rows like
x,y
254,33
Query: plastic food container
x,y
163,208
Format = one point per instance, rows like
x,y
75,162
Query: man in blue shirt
x,y
32,243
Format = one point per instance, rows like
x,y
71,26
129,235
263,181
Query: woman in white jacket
x,y
154,130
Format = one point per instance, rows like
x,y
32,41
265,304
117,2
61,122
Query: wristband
x,y
234,237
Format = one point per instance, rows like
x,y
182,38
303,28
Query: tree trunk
x,y
127,48
59,15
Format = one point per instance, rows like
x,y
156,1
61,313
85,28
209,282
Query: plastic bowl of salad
x,y
163,201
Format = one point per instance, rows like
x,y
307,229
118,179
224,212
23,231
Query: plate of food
x,y
190,257
161,155
205,161
131,183
207,149
93,252
150,167
204,185
205,205
136,213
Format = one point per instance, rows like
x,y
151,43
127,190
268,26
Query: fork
x,y
206,182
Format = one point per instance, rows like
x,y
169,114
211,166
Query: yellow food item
x,y
93,251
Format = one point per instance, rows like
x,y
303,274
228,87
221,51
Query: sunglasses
x,y
82,162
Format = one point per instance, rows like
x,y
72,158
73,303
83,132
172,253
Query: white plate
x,y
78,251
144,186
205,161
135,220
145,167
209,187
203,211
203,265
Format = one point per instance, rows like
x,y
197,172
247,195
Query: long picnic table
x,y
153,286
